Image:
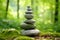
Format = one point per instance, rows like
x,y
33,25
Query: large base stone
x,y
30,32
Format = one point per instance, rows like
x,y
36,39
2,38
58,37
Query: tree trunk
x,y
18,9
56,12
7,6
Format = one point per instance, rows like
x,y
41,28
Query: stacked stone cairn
x,y
28,27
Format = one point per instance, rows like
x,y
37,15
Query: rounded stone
x,y
28,12
28,8
28,16
30,32
27,26
30,21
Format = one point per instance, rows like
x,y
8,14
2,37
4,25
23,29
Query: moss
x,y
24,38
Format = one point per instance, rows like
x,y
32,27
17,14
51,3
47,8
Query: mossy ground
x,y
10,34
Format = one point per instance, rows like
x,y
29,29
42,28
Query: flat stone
x,y
30,21
30,32
28,12
28,16
27,26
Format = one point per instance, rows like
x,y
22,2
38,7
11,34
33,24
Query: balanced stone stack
x,y
28,27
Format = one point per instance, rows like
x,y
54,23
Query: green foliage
x,y
8,34
4,24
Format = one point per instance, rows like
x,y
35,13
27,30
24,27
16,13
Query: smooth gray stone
x,y
29,21
30,32
28,12
27,26
29,16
